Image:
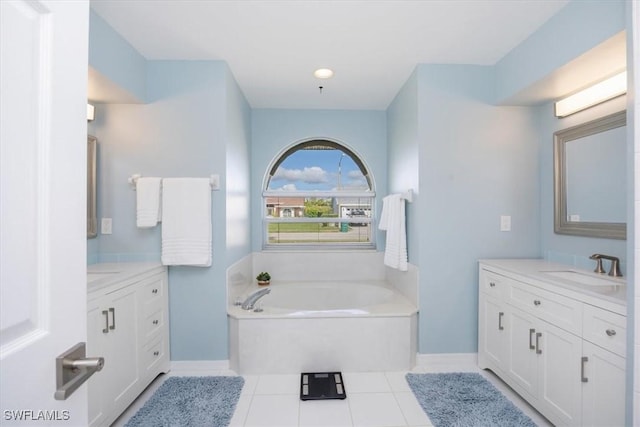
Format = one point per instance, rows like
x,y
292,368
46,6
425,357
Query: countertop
x,y
106,274
537,271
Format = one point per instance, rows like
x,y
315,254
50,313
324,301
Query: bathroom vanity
x,y
557,335
128,326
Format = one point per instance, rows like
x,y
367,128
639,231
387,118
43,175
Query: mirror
x,y
92,214
590,178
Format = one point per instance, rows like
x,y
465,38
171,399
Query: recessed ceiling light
x,y
323,73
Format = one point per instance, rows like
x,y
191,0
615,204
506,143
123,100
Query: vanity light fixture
x,y
91,112
323,73
593,95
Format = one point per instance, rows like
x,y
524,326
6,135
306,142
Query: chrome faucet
x,y
251,300
614,271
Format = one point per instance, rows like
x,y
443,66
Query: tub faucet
x,y
253,298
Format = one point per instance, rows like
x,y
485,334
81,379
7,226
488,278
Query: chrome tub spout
x,y
251,300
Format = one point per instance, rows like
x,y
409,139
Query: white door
x,y
560,355
494,333
603,392
522,358
43,134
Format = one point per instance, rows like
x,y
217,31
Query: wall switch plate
x,y
105,226
505,223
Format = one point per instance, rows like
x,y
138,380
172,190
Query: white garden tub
x,y
324,326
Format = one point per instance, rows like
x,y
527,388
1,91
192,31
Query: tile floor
x,y
374,399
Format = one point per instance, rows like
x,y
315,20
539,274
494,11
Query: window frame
x,y
369,194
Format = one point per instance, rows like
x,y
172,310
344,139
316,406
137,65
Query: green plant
x,y
264,276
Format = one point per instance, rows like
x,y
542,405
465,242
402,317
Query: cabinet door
x,y
493,333
96,325
122,362
559,358
522,358
603,393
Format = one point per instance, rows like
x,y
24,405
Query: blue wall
x,y
189,127
113,57
274,130
477,162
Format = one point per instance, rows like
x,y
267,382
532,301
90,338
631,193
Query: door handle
x,y
113,318
500,327
582,377
531,332
105,313
538,349
73,368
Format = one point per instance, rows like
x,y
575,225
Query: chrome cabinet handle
x,y
500,327
531,332
113,318
611,332
155,322
492,284
536,302
582,377
156,353
105,313
155,291
538,349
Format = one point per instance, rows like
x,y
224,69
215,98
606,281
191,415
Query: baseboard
x,y
199,365
447,359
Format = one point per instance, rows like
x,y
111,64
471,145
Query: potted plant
x,y
264,278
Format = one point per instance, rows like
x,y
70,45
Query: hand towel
x,y
186,221
393,221
147,202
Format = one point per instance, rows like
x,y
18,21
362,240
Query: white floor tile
x,y
325,413
411,409
242,409
375,410
397,381
365,382
278,384
273,410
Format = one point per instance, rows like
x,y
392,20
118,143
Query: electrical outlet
x,y
505,223
105,226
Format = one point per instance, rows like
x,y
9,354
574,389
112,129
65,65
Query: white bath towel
x,y
393,221
186,221
147,202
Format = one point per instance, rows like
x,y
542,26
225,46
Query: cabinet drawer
x,y
493,284
153,291
606,329
153,357
153,323
558,310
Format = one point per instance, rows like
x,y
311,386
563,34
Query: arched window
x,y
319,194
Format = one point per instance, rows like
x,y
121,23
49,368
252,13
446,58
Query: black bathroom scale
x,y
321,386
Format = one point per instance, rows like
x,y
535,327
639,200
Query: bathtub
x,y
323,326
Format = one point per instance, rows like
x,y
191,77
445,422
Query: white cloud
x,y
289,187
312,175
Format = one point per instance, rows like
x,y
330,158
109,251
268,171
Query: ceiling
x,y
273,47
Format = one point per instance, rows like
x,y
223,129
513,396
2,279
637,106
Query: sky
x,y
309,170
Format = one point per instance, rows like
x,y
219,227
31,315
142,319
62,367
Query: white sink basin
x,y
584,279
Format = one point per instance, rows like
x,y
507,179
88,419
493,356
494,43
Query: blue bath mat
x,y
190,401
464,399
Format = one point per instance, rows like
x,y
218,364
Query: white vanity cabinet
x,y
128,326
561,347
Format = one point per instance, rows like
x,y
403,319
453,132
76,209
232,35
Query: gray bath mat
x,y
464,399
190,401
